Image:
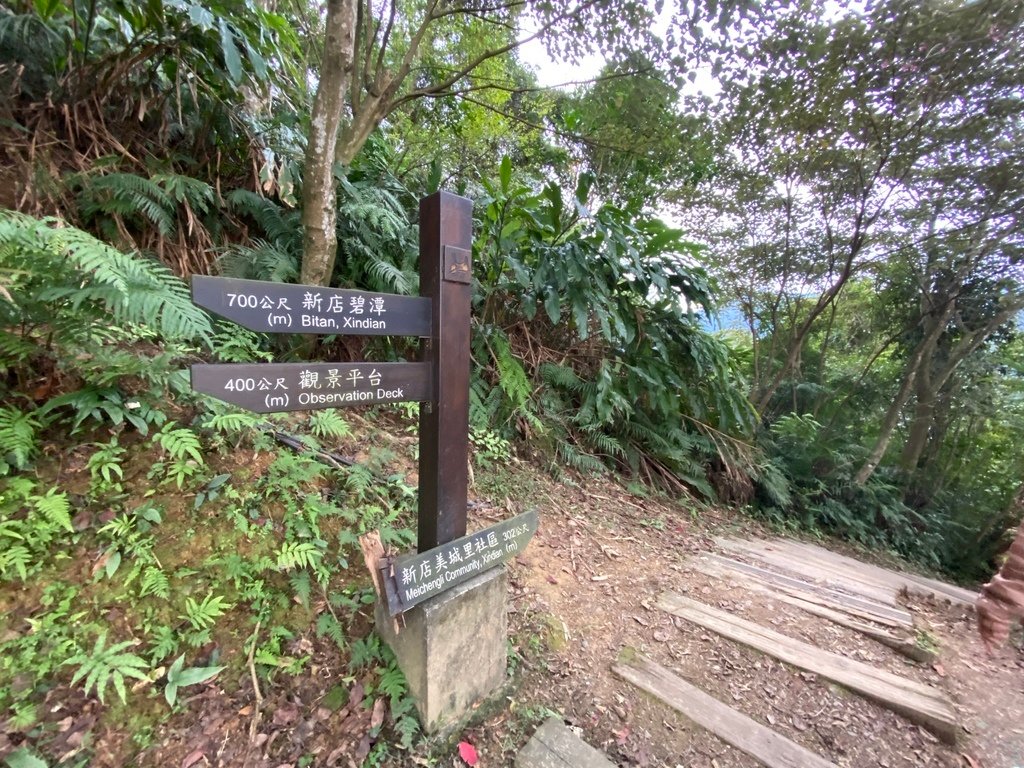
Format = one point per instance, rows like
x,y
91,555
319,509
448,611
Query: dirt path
x,y
583,592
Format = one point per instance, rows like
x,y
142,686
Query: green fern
x,y
126,195
55,509
329,423
260,261
328,626
15,558
511,376
155,583
108,664
298,554
232,423
195,193
561,376
68,274
165,642
393,683
580,461
301,585
179,443
204,614
359,481
17,438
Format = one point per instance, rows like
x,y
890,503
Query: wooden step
x,y
554,745
760,742
917,702
864,606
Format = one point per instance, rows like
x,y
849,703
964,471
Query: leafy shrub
x,y
589,343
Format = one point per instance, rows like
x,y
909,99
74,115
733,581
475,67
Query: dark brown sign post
x,y
446,237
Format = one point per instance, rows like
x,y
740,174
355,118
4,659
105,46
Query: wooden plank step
x,y
917,702
911,581
760,742
904,646
554,745
719,567
865,572
862,604
810,567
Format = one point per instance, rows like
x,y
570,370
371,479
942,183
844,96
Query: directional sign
x,y
411,579
286,308
273,387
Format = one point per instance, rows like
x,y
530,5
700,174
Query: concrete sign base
x,y
452,648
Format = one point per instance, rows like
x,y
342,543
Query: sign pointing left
x,y
288,308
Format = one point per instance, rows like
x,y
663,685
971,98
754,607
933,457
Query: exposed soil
x,y
586,584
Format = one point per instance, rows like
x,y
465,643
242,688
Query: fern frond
x,y
155,582
511,376
15,558
298,554
55,509
561,376
582,462
232,423
330,627
262,260
17,436
131,288
329,423
302,585
180,443
195,193
281,226
127,194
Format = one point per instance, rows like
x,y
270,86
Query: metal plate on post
x,y
276,387
458,264
285,308
411,579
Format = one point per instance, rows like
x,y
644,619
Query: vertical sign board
x,y
440,382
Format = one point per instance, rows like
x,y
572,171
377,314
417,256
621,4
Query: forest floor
x,y
581,593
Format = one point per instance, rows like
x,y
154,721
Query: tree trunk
x,y
920,427
888,424
319,188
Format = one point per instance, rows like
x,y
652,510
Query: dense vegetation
x,y
852,191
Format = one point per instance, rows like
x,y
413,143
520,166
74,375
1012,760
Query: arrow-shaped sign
x,y
274,387
287,308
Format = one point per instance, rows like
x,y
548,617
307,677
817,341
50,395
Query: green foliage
x,y
178,677
204,614
328,423
624,377
108,664
17,439
63,268
29,523
298,554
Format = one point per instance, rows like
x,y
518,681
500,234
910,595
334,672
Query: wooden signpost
x,y
439,382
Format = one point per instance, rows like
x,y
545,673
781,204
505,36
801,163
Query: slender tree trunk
x,y
889,424
920,426
319,188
